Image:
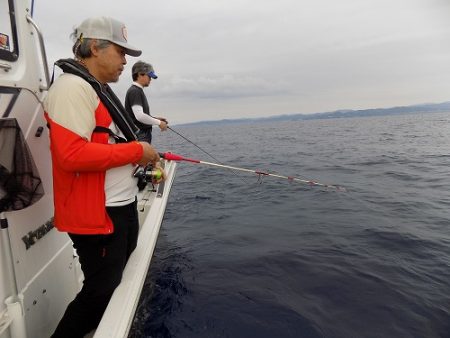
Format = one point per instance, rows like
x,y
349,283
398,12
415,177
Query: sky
x,y
226,59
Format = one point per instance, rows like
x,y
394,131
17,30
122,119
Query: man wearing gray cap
x,y
136,102
94,189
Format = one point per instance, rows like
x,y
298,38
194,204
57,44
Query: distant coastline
x,y
343,113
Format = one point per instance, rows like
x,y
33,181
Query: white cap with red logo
x,y
105,28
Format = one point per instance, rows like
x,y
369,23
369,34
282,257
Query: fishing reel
x,y
146,175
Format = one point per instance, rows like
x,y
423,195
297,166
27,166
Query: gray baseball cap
x,y
144,68
109,29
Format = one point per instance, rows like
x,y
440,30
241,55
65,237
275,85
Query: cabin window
x,y
9,50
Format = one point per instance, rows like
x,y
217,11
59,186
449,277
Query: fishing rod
x,y
175,157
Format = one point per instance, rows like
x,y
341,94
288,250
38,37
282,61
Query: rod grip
x,y
175,157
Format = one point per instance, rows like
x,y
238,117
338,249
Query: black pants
x,y
102,259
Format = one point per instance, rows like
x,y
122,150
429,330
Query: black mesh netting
x,y
20,184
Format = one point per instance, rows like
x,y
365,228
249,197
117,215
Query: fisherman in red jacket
x,y
94,189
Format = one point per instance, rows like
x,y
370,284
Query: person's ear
x,y
93,47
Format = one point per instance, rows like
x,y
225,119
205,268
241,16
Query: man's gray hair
x,y
82,46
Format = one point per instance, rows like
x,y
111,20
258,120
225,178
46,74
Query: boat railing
x,y
43,53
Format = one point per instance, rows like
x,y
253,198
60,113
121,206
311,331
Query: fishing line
x,y
197,146
204,151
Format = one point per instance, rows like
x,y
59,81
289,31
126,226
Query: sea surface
x,y
245,256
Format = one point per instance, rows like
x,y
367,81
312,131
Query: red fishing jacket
x,y
79,168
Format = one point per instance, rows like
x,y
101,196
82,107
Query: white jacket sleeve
x,y
144,118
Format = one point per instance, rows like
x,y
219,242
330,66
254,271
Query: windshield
x,y
9,50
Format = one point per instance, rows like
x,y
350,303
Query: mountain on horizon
x,y
342,113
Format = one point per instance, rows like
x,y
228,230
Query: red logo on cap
x,y
124,33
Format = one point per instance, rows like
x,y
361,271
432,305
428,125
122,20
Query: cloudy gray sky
x,y
221,59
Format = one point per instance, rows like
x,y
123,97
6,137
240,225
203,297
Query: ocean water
x,y
240,256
